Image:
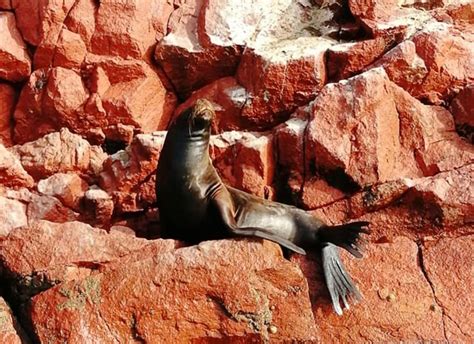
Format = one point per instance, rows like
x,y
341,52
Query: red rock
x,y
7,105
462,108
37,18
97,158
98,206
403,66
10,331
245,161
448,56
64,97
69,188
187,61
345,60
12,173
389,18
6,5
129,29
49,208
395,294
56,152
449,265
413,208
29,121
125,171
136,95
46,253
221,290
280,77
458,12
388,134
15,64
317,193
228,98
81,19
70,51
289,142
133,95
12,215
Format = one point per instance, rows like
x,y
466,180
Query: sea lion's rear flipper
x,y
338,281
223,203
346,236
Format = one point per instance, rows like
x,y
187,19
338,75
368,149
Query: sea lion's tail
x,y
338,281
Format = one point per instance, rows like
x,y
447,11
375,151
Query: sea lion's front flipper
x,y
223,203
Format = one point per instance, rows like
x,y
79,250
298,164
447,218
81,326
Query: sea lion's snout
x,y
204,110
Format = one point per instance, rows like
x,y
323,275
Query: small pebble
x,y
272,329
391,297
433,308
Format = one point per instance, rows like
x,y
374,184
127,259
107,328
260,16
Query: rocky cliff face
x,y
350,109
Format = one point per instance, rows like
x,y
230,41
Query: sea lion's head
x,y
197,118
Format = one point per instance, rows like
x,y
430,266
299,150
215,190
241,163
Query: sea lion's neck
x,y
192,146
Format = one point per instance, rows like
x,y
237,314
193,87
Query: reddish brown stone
x,y
345,60
125,171
395,293
36,19
6,5
15,64
221,290
64,97
10,330
56,152
228,98
29,122
448,56
413,208
69,188
289,140
7,105
49,208
317,193
188,63
280,77
375,132
12,215
45,253
449,266
12,172
132,96
462,108
70,51
136,95
245,161
129,29
81,19
403,66
97,207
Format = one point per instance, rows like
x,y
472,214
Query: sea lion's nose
x,y
204,109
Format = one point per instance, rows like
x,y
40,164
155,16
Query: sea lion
x,y
195,205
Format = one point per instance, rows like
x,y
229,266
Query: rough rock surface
x,y
10,332
396,293
15,64
353,110
12,172
449,266
227,290
7,106
44,253
57,152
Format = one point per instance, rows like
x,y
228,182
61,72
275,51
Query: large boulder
x,y
221,290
